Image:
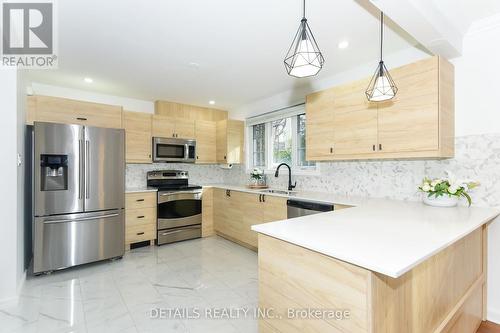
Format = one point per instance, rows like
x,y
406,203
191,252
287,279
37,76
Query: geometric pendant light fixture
x,y
303,57
381,87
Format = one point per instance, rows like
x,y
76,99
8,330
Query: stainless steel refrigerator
x,y
79,195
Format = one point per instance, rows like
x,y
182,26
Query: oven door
x,y
177,209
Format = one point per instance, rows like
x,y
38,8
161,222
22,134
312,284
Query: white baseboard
x,y
494,315
21,283
18,290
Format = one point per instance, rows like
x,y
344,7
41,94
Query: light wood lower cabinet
x,y
444,294
235,212
140,217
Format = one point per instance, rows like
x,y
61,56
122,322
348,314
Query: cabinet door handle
x,y
379,146
260,197
373,147
331,150
197,157
81,118
140,233
139,200
263,198
225,157
140,217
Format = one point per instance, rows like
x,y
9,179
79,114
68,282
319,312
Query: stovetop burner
x,y
170,180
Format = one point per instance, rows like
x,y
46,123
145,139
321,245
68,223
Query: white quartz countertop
x,y
328,198
140,189
385,236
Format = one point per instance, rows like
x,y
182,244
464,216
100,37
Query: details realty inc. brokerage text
x,y
241,313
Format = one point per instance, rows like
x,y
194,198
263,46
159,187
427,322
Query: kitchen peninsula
x,y
394,266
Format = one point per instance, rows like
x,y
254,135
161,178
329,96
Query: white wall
x,y
129,104
477,111
21,177
8,190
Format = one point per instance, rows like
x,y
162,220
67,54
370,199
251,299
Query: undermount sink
x,y
285,192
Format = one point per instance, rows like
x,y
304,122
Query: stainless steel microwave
x,y
174,150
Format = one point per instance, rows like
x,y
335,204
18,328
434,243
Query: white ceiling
x,y
461,13
143,49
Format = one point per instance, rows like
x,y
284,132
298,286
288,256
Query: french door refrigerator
x,y
79,195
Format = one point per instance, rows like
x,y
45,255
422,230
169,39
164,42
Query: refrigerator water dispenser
x,y
54,172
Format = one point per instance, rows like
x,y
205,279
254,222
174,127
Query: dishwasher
x,y
297,208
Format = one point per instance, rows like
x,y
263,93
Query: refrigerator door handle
x,y
87,169
81,219
80,168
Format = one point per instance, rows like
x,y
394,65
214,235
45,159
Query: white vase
x,y
441,201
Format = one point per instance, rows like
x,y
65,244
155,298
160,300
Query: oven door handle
x,y
173,196
179,230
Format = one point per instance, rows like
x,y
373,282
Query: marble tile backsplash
x,y
476,157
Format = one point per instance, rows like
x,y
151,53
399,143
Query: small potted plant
x,y
257,178
445,192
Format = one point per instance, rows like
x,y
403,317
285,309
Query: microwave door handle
x,y
186,151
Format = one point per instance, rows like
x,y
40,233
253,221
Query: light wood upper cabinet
x,y
410,122
354,120
230,141
206,133
138,137
319,122
68,111
417,123
169,127
178,110
184,128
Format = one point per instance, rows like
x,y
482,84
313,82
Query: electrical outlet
x,y
19,159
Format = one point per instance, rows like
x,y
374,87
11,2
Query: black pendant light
x,y
304,57
381,87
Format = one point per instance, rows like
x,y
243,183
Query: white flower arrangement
x,y
450,186
257,174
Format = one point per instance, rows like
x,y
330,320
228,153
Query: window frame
x,y
270,167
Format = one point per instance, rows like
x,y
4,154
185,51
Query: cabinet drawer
x,y
140,233
140,216
140,200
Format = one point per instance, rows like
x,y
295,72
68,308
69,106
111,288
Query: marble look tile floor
x,y
119,296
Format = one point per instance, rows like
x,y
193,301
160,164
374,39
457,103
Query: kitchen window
x,y
279,137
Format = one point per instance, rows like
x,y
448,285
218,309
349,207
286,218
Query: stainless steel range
x,y
179,206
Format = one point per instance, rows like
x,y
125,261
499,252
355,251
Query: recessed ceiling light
x,y
343,44
88,80
211,102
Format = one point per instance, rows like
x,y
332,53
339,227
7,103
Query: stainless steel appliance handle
x,y
80,169
173,196
187,192
186,151
87,169
81,219
177,231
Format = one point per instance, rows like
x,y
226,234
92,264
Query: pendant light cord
x,y
304,9
381,33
